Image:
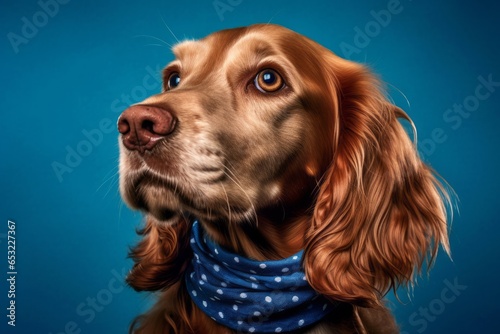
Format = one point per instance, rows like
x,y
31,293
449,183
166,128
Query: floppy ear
x,y
161,256
380,211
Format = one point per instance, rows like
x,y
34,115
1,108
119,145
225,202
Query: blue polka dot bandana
x,y
251,296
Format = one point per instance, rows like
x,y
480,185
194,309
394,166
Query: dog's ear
x,y
161,256
380,212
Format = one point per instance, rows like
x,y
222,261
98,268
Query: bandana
x,y
251,296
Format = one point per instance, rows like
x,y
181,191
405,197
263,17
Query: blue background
x,y
73,232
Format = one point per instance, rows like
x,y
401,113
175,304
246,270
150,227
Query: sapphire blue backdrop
x,y
69,67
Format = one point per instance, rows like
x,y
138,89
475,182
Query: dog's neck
x,y
278,231
274,236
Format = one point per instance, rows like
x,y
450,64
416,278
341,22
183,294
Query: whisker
x,y
160,45
319,181
158,39
109,178
238,184
169,29
272,17
227,200
112,185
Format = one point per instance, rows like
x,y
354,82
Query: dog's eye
x,y
173,81
268,81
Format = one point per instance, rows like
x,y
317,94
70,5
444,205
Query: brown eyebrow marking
x,y
213,51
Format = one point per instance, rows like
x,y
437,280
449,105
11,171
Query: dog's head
x,y
243,113
261,119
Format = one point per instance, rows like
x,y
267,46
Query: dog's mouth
x,y
166,199
158,196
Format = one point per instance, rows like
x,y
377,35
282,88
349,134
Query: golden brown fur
x,y
322,165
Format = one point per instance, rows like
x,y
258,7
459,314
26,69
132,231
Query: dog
x,y
280,190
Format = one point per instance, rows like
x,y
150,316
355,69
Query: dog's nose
x,y
143,126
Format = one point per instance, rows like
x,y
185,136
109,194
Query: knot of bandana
x,y
251,296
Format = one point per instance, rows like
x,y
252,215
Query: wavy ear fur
x,y
161,256
380,211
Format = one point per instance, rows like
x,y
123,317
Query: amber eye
x,y
268,81
173,80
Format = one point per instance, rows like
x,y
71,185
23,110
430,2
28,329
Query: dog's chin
x,y
162,213
157,201
166,204
171,215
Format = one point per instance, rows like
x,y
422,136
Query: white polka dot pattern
x,y
251,296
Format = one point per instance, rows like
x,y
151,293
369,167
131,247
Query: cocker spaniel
x,y
281,192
